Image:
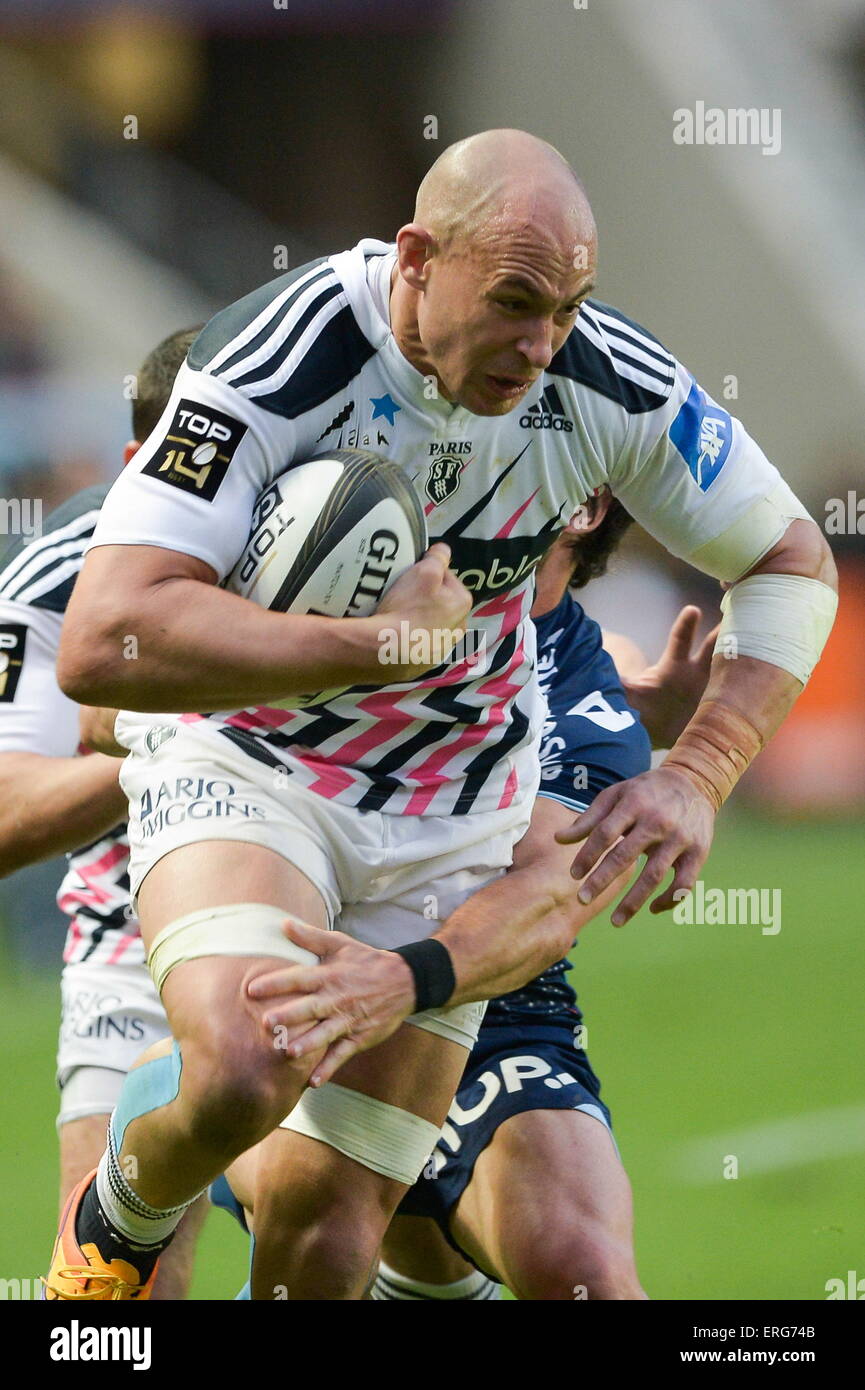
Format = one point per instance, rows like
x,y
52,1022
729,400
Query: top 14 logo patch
x,y
196,452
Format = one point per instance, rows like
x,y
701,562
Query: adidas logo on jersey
x,y
547,414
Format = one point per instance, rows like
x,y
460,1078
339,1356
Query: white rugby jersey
x,y
36,717
308,362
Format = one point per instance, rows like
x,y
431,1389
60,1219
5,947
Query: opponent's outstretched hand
x,y
660,814
667,694
353,999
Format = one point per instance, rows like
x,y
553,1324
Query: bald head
x,y
493,270
500,182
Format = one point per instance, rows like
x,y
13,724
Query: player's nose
x,y
536,345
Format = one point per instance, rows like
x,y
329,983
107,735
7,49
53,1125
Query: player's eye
x,y
512,306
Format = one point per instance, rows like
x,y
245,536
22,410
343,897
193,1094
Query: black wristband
x,y
431,965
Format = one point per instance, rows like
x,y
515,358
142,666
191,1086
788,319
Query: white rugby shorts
x,y
109,1015
385,879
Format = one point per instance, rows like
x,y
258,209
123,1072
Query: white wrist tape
x,y
784,619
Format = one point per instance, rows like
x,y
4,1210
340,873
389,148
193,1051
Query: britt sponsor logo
x,y
711,125
703,433
851,1288
845,516
21,516
77,1343
547,414
193,798
420,647
196,452
722,907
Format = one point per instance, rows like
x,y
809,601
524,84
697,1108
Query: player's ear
x,y
414,245
130,450
589,516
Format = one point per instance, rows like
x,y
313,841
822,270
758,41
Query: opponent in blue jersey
x,y
525,1184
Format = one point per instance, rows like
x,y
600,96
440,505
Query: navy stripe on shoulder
x,y
56,600
335,358
228,324
638,331
25,551
283,343
610,370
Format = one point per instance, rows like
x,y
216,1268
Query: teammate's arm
x,y
51,805
50,800
148,629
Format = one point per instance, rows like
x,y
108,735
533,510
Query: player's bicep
x,y
110,597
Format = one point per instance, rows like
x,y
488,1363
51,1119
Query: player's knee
x,y
240,1088
579,1264
332,1258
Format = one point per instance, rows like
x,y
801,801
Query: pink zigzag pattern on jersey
x,y
427,773
261,717
127,940
510,789
390,719
74,937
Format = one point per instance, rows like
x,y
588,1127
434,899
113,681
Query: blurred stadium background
x,y
158,160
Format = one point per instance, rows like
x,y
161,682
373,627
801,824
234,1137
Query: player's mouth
x,y
508,388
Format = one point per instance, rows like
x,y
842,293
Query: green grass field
x,y
705,1036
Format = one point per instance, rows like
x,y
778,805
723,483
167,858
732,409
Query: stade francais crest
x,y
444,478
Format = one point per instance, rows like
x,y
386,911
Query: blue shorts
x,y
513,1067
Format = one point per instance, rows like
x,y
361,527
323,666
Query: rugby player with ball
x,y
361,807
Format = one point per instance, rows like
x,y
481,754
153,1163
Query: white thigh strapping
x,y
379,1136
235,929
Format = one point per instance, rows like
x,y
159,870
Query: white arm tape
x,y
743,545
784,619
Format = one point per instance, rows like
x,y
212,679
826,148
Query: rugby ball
x,y
330,536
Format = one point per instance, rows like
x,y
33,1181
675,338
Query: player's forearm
x,y
511,931
776,621
191,646
52,805
763,693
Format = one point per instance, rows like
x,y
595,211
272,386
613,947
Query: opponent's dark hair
x,y
592,551
156,378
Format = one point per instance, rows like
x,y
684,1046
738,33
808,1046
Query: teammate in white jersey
x,y
357,810
66,802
